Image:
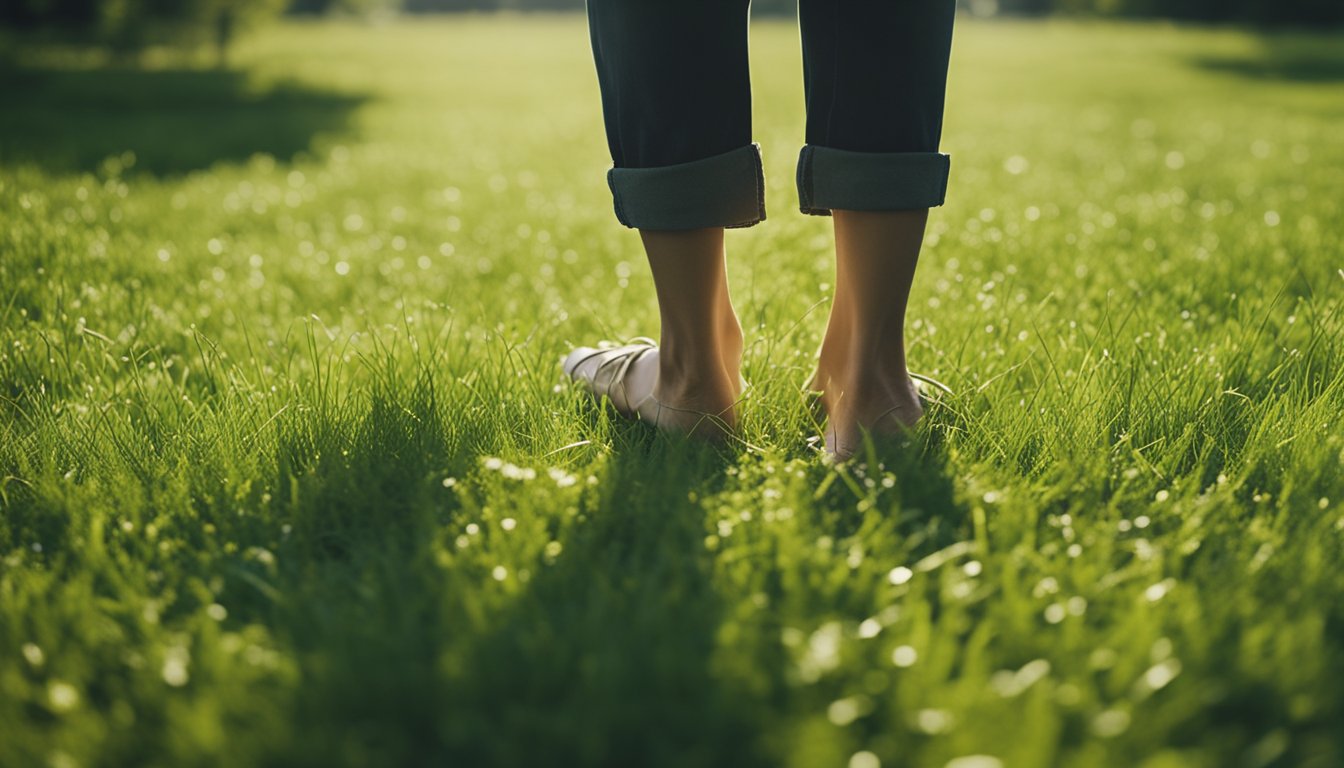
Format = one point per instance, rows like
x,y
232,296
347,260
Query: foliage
x,y
1272,12
287,476
126,27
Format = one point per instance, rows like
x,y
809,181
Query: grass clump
x,y
287,477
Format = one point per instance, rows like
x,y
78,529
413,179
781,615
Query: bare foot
x,y
884,406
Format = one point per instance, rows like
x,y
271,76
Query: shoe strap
x,y
622,357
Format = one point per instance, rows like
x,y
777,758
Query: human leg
x,y
676,104
874,73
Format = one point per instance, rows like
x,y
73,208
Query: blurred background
x,y
126,27
281,280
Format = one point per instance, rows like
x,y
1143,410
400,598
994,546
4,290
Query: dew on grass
x,y
935,721
842,712
1046,586
62,696
904,656
1012,683
33,654
869,628
515,472
175,663
562,478
822,652
1144,549
259,554
1158,676
1110,723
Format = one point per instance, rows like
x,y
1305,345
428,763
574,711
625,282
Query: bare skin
x,y
692,381
861,370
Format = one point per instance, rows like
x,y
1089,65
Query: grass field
x,y
287,477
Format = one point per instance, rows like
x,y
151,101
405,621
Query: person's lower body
x,y
676,102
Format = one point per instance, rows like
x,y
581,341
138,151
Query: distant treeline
x,y
130,25
1261,12
1266,12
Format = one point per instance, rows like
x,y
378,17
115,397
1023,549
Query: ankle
x,y
864,391
689,352
730,332
706,388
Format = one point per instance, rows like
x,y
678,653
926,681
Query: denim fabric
x,y
870,181
874,75
725,190
676,102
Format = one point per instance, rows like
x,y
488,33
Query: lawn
x,y
288,476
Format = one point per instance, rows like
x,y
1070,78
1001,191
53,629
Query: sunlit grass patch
x,y
289,474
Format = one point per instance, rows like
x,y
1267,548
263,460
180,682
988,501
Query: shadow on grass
x,y
603,657
600,658
604,660
174,120
922,508
1288,58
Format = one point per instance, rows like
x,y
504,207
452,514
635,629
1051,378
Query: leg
x,y
678,125
875,72
862,369
700,352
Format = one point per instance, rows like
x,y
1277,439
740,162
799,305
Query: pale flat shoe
x,y
609,378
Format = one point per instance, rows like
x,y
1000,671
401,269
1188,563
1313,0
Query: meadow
x,y
288,474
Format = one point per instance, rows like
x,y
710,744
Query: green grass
x,y
287,478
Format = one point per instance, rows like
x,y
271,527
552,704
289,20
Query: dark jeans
x,y
676,99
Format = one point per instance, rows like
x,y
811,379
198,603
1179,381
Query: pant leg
x,y
875,74
676,101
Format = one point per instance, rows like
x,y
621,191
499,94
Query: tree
x,y
126,27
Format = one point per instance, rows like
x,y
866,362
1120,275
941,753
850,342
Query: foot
x,y
640,384
882,405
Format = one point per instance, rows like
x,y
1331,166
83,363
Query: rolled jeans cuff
x,y
726,190
870,181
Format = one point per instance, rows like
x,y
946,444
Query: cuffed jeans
x,y
676,100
